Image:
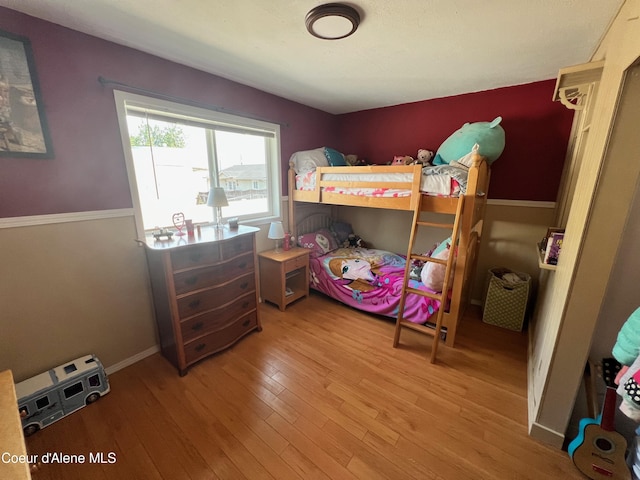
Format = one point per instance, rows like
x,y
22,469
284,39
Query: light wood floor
x,y
318,394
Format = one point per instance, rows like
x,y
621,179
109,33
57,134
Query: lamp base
x,y
278,248
218,225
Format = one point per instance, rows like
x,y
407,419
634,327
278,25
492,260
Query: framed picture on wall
x,y
23,128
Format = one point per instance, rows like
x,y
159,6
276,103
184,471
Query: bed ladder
x,y
442,296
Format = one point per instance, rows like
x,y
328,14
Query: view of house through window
x,y
177,153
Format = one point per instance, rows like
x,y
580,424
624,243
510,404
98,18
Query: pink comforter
x,y
370,280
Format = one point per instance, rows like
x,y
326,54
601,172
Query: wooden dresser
x,y
204,291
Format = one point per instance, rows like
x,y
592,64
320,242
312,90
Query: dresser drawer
x,y
218,318
197,278
237,247
195,256
220,339
295,263
214,297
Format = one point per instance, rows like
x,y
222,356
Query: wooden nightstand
x,y
284,270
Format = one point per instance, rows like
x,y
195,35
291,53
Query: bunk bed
x,y
402,189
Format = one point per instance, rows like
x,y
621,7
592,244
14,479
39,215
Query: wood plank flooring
x,y
318,394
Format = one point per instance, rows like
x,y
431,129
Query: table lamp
x,y
217,199
276,232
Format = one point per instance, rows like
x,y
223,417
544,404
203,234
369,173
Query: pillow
x,y
307,160
334,157
320,242
432,274
467,160
341,230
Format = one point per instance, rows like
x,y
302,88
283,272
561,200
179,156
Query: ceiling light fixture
x,y
332,21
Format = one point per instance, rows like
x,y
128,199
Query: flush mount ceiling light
x,y
332,21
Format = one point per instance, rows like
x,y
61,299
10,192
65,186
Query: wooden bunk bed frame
x,y
470,221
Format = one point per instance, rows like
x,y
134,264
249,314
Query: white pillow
x,y
307,160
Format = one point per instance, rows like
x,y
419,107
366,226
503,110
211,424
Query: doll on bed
x,y
366,270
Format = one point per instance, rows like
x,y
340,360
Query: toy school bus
x,y
49,396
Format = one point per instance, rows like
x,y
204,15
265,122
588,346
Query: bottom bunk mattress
x,y
370,280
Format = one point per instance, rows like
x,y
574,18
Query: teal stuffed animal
x,y
488,135
627,346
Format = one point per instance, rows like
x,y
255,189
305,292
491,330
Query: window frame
x,y
212,117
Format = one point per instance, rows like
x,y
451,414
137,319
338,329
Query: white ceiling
x,y
404,50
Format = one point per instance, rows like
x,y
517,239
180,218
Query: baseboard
x,y
131,360
521,203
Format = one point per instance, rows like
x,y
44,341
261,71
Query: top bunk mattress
x,y
440,180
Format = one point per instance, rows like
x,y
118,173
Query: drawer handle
x,y
246,322
191,280
245,304
194,257
244,285
197,326
242,265
200,347
194,303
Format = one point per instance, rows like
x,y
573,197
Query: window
x,y
74,389
42,402
94,380
176,153
70,368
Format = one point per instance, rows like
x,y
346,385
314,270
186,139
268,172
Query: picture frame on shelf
x,y
550,231
23,128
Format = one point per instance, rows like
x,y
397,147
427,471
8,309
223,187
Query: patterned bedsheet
x,y
439,180
370,280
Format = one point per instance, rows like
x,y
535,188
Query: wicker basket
x,y
506,303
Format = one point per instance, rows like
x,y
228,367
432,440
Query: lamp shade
x,y
217,198
276,231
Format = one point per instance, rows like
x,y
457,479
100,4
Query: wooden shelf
x,y
541,264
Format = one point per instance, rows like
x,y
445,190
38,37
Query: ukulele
x,y
599,451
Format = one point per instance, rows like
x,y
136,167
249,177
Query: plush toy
x,y
402,160
627,351
488,135
353,160
424,156
353,241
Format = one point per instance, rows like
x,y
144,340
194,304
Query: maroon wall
x,y
88,170
537,131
